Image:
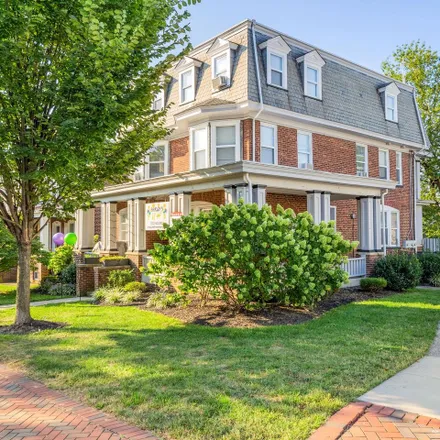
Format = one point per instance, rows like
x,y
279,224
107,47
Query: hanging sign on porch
x,y
156,214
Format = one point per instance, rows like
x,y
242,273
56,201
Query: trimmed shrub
x,y
435,280
430,266
401,270
116,295
47,283
68,274
135,286
164,300
246,255
62,290
120,278
61,258
373,284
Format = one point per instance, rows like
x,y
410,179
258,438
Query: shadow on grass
x,y
195,382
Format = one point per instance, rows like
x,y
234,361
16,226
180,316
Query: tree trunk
x,y
23,310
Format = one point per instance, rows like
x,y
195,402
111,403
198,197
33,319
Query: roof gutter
x,y
260,92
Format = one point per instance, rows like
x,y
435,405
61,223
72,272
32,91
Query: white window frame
x,y
143,171
305,133
335,215
399,170
225,123
160,95
228,65
388,212
283,72
391,95
192,130
308,65
120,230
358,173
275,142
387,164
192,95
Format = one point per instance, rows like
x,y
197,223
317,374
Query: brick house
x,y
259,115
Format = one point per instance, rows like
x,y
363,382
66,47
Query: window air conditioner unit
x,y
410,244
362,173
220,82
306,166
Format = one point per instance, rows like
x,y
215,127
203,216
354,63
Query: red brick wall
x,y
344,224
85,279
216,197
373,161
297,203
179,155
287,146
152,237
400,198
246,126
334,155
9,276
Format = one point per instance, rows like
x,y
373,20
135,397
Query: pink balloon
x,y
58,238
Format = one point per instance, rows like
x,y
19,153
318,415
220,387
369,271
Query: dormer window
x,y
187,69
311,65
221,53
389,99
159,101
276,59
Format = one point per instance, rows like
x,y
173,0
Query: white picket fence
x,y
431,244
356,267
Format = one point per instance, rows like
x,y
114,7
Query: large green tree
x,y
419,65
77,80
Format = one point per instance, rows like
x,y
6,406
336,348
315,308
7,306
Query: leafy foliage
x,y
435,280
166,299
112,258
80,77
62,289
401,270
430,263
68,274
373,284
120,278
246,255
61,258
116,295
135,286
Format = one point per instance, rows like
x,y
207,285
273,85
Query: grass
x,y
8,292
194,382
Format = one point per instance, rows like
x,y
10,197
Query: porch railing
x,y
431,244
356,267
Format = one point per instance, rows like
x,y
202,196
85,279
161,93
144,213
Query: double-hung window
x,y
199,147
158,103
305,159
399,175
268,144
312,82
391,107
156,162
384,164
361,160
123,225
221,65
277,68
225,138
391,226
187,86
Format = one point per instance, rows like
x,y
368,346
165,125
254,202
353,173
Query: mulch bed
x,y
34,326
216,314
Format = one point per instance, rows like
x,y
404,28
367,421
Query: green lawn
x,y
193,382
8,290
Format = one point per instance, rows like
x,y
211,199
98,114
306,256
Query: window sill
x,y
278,87
390,120
187,102
313,97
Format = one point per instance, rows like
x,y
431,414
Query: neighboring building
x,y
258,115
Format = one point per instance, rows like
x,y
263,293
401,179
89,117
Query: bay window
x,y
384,164
199,147
305,159
361,160
268,144
225,142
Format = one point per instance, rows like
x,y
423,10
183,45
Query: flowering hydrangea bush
x,y
250,256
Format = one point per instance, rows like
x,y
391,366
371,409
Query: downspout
x,y
260,93
384,243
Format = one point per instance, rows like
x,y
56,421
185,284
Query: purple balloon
x,y
58,238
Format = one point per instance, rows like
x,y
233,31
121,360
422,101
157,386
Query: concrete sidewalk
x,y
414,390
52,301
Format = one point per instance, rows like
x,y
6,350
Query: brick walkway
x,y
29,410
364,421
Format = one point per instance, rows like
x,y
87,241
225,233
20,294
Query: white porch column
x,y
139,225
377,229
184,203
366,224
325,207
259,195
131,225
109,226
45,238
419,225
230,194
314,206
173,203
85,227
103,237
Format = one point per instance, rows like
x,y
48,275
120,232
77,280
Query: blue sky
x,y
365,32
